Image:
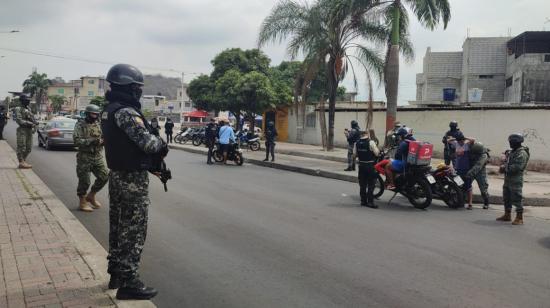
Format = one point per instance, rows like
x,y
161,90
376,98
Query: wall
x,y
531,78
490,125
441,70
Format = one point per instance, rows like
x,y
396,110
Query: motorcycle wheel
x,y
197,141
254,146
420,194
218,156
184,139
379,187
177,139
239,161
453,195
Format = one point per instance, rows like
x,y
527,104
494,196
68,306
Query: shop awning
x,y
196,114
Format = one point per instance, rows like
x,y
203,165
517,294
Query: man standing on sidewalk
x,y
367,152
3,120
514,166
352,136
270,136
211,133
27,125
87,137
129,149
479,157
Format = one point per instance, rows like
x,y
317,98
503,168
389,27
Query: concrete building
x,y
90,87
153,103
488,70
68,90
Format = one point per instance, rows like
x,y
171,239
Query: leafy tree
x,y
429,13
57,102
37,85
328,29
244,61
201,92
98,101
255,94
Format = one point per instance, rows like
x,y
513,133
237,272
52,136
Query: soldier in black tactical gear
x,y
130,150
211,133
270,136
367,151
3,120
449,151
352,136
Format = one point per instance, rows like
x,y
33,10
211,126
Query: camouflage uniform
x,y
129,200
87,137
478,172
516,162
26,122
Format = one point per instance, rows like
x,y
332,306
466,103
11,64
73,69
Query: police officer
x,y
270,136
352,136
27,126
211,133
3,120
513,168
367,152
88,138
448,151
130,148
479,156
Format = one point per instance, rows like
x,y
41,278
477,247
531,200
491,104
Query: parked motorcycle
x,y
246,139
234,154
183,135
199,136
448,186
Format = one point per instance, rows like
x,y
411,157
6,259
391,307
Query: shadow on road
x,y
545,242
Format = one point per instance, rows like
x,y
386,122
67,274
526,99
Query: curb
x,y
535,202
87,246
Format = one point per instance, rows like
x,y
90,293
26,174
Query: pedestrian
x,y
448,151
366,151
270,136
210,136
513,168
479,157
225,138
89,140
155,127
130,148
169,130
352,136
461,147
27,126
3,120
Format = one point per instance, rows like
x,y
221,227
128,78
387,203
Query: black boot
x,y
485,203
266,159
135,290
114,282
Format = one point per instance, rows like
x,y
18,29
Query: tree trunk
x,y
332,91
323,122
393,72
370,115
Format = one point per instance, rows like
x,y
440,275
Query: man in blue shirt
x,y
226,136
398,164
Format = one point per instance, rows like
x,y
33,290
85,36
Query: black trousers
x,y
270,149
169,137
210,146
2,124
367,180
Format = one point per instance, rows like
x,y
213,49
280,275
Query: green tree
x,y
244,61
98,101
201,92
57,102
255,95
328,29
37,86
430,13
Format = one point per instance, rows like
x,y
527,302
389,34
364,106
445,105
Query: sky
x,y
170,36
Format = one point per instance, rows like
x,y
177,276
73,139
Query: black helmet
x,y
402,132
24,98
92,109
516,138
460,136
354,124
270,123
453,124
124,74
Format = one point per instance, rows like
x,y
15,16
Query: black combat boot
x,y
114,282
485,203
135,290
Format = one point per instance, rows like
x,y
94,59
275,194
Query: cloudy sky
x,y
184,35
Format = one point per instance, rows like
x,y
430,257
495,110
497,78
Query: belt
x,y
367,162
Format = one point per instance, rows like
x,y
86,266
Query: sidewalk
x,y
313,160
47,258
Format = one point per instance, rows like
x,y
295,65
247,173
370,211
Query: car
x,y
58,132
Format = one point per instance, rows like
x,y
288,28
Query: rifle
x,y
165,174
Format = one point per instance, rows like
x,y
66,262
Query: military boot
x,y
519,219
114,282
24,165
506,217
84,206
135,290
91,198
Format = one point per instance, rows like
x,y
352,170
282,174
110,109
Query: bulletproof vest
x,y
121,153
211,131
364,152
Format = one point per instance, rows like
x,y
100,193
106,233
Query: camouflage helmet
x,y
92,109
477,148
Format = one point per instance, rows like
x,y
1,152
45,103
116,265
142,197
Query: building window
x,y
311,120
61,91
187,104
90,93
546,58
486,76
156,102
509,82
91,81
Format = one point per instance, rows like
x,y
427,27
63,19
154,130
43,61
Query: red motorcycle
x,y
448,186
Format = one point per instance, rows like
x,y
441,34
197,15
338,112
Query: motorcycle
x,y
252,141
448,186
199,136
234,153
183,135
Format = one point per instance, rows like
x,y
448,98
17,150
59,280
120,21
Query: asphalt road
x,y
227,236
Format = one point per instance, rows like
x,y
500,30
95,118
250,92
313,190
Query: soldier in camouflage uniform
x,y
27,126
87,137
479,157
514,166
129,149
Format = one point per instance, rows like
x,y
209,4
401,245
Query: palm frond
x,y
285,18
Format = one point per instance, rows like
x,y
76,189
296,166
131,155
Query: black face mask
x,y
515,145
136,91
91,119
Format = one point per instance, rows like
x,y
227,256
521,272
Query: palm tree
x,y
429,13
57,102
329,33
37,85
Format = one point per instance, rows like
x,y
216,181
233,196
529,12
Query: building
x,y
90,87
488,70
68,90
